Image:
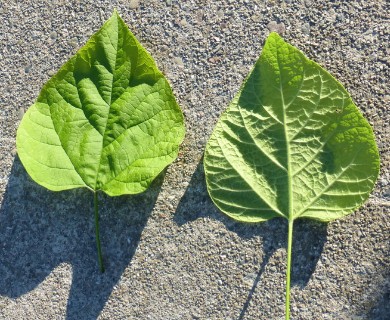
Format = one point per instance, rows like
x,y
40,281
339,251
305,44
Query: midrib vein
x,y
284,120
109,106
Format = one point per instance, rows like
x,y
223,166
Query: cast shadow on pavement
x,y
40,229
310,236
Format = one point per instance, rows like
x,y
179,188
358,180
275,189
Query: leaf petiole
x,y
288,272
97,232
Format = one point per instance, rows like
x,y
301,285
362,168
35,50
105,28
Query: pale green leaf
x,y
106,121
292,144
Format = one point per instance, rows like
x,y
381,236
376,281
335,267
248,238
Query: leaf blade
x,y
107,105
308,138
45,141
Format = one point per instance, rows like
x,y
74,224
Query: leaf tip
x,y
274,35
115,14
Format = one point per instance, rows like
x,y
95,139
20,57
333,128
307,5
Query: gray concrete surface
x,y
169,253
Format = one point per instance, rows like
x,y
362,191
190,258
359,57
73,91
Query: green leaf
x,y
292,144
106,121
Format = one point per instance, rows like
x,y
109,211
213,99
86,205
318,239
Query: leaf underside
x,y
291,144
106,121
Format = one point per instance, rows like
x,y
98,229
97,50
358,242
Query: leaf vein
x,y
244,179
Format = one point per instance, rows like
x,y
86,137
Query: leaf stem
x,y
97,233
289,251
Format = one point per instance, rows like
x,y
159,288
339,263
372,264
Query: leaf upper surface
x,y
107,120
291,144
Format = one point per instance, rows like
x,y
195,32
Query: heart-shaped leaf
x,y
106,121
292,144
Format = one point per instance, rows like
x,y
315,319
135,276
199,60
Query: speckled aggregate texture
x,y
169,253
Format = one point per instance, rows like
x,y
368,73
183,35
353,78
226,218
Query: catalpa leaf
x,y
106,121
292,144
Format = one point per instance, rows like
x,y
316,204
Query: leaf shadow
x,y
309,236
40,229
380,310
